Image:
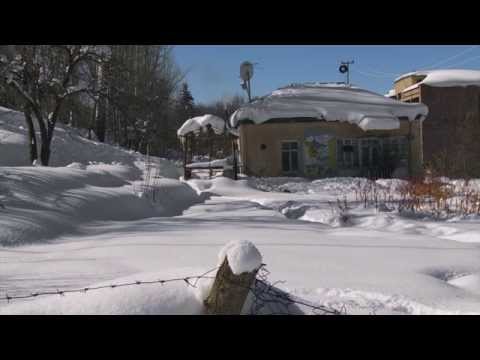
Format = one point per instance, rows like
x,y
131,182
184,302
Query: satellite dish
x,y
246,70
343,68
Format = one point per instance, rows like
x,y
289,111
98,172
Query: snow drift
x,y
42,202
68,146
330,102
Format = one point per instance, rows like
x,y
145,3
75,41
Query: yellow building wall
x,y
267,162
402,84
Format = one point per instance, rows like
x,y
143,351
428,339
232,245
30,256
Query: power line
x,y
450,58
464,61
368,74
381,72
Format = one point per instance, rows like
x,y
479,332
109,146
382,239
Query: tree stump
x,y
229,291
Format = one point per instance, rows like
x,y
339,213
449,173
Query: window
x,y
289,156
347,153
396,148
371,152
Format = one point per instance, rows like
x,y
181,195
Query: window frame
x,y
348,160
290,151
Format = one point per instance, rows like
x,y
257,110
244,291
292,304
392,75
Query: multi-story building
x,y
451,131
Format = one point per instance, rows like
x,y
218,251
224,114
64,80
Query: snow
x,y
200,123
330,102
207,164
378,261
68,146
445,78
43,202
92,220
470,282
242,256
390,93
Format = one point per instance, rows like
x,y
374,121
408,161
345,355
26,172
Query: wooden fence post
x,y
229,291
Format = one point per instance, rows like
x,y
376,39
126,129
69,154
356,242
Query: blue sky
x,y
213,71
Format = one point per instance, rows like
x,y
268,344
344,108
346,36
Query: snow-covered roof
x,y
199,123
390,93
445,77
330,102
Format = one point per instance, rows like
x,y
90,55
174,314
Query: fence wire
x,y
265,298
188,281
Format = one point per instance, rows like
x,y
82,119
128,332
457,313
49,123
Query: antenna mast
x,y
345,68
246,73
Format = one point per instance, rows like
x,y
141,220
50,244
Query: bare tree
x,y
45,77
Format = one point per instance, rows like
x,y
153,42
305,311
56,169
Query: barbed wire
x,y
266,297
186,279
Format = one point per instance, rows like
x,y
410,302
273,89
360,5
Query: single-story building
x,y
329,129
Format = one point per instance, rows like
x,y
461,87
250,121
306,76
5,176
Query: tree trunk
x,y
45,138
31,135
45,149
45,154
100,120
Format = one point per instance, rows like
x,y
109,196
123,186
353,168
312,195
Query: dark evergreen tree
x,y
186,101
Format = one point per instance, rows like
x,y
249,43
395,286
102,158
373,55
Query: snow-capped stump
x,y
242,256
240,261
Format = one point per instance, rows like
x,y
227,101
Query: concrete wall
x,y
267,162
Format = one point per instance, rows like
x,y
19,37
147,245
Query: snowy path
x,y
354,265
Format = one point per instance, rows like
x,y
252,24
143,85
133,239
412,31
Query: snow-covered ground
x,y
93,224
380,262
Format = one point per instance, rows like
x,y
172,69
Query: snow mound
x,y
69,145
242,256
368,110
44,202
200,123
326,216
333,186
469,282
76,165
445,78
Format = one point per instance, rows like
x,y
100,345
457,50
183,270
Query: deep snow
x,y
381,263
87,223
